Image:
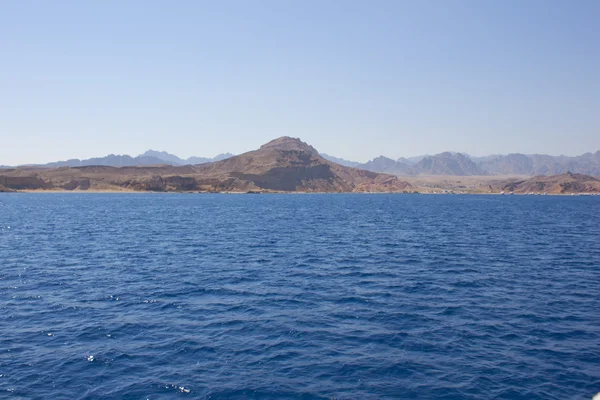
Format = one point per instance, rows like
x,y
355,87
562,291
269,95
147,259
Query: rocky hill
x,y
563,184
289,164
284,164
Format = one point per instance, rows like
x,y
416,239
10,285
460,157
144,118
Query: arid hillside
x,y
282,165
556,184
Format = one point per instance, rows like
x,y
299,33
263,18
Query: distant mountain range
x,y
341,161
290,165
459,164
150,157
447,163
172,159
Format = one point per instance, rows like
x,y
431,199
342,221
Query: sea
x,y
307,296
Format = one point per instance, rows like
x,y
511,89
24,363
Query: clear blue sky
x,y
355,79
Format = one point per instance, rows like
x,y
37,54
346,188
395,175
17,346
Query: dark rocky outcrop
x,y
290,179
180,183
24,182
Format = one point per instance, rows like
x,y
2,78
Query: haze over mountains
x,y
174,160
447,163
459,164
290,165
150,157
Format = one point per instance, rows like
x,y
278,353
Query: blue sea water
x,y
151,296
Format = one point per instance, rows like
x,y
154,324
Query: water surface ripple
x,y
155,296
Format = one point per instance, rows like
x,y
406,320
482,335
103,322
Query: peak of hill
x,y
286,143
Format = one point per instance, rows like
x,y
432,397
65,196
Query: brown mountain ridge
x,y
282,165
557,184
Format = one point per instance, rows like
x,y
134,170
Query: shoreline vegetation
x,y
284,165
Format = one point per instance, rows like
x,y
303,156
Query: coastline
x,y
109,191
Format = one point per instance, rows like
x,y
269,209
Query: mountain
x,y
203,160
447,164
386,165
451,163
562,183
341,161
172,159
521,164
410,161
478,160
150,157
196,160
288,164
541,164
219,157
284,164
167,158
110,160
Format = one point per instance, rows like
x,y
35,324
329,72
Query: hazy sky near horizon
x,y
355,79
